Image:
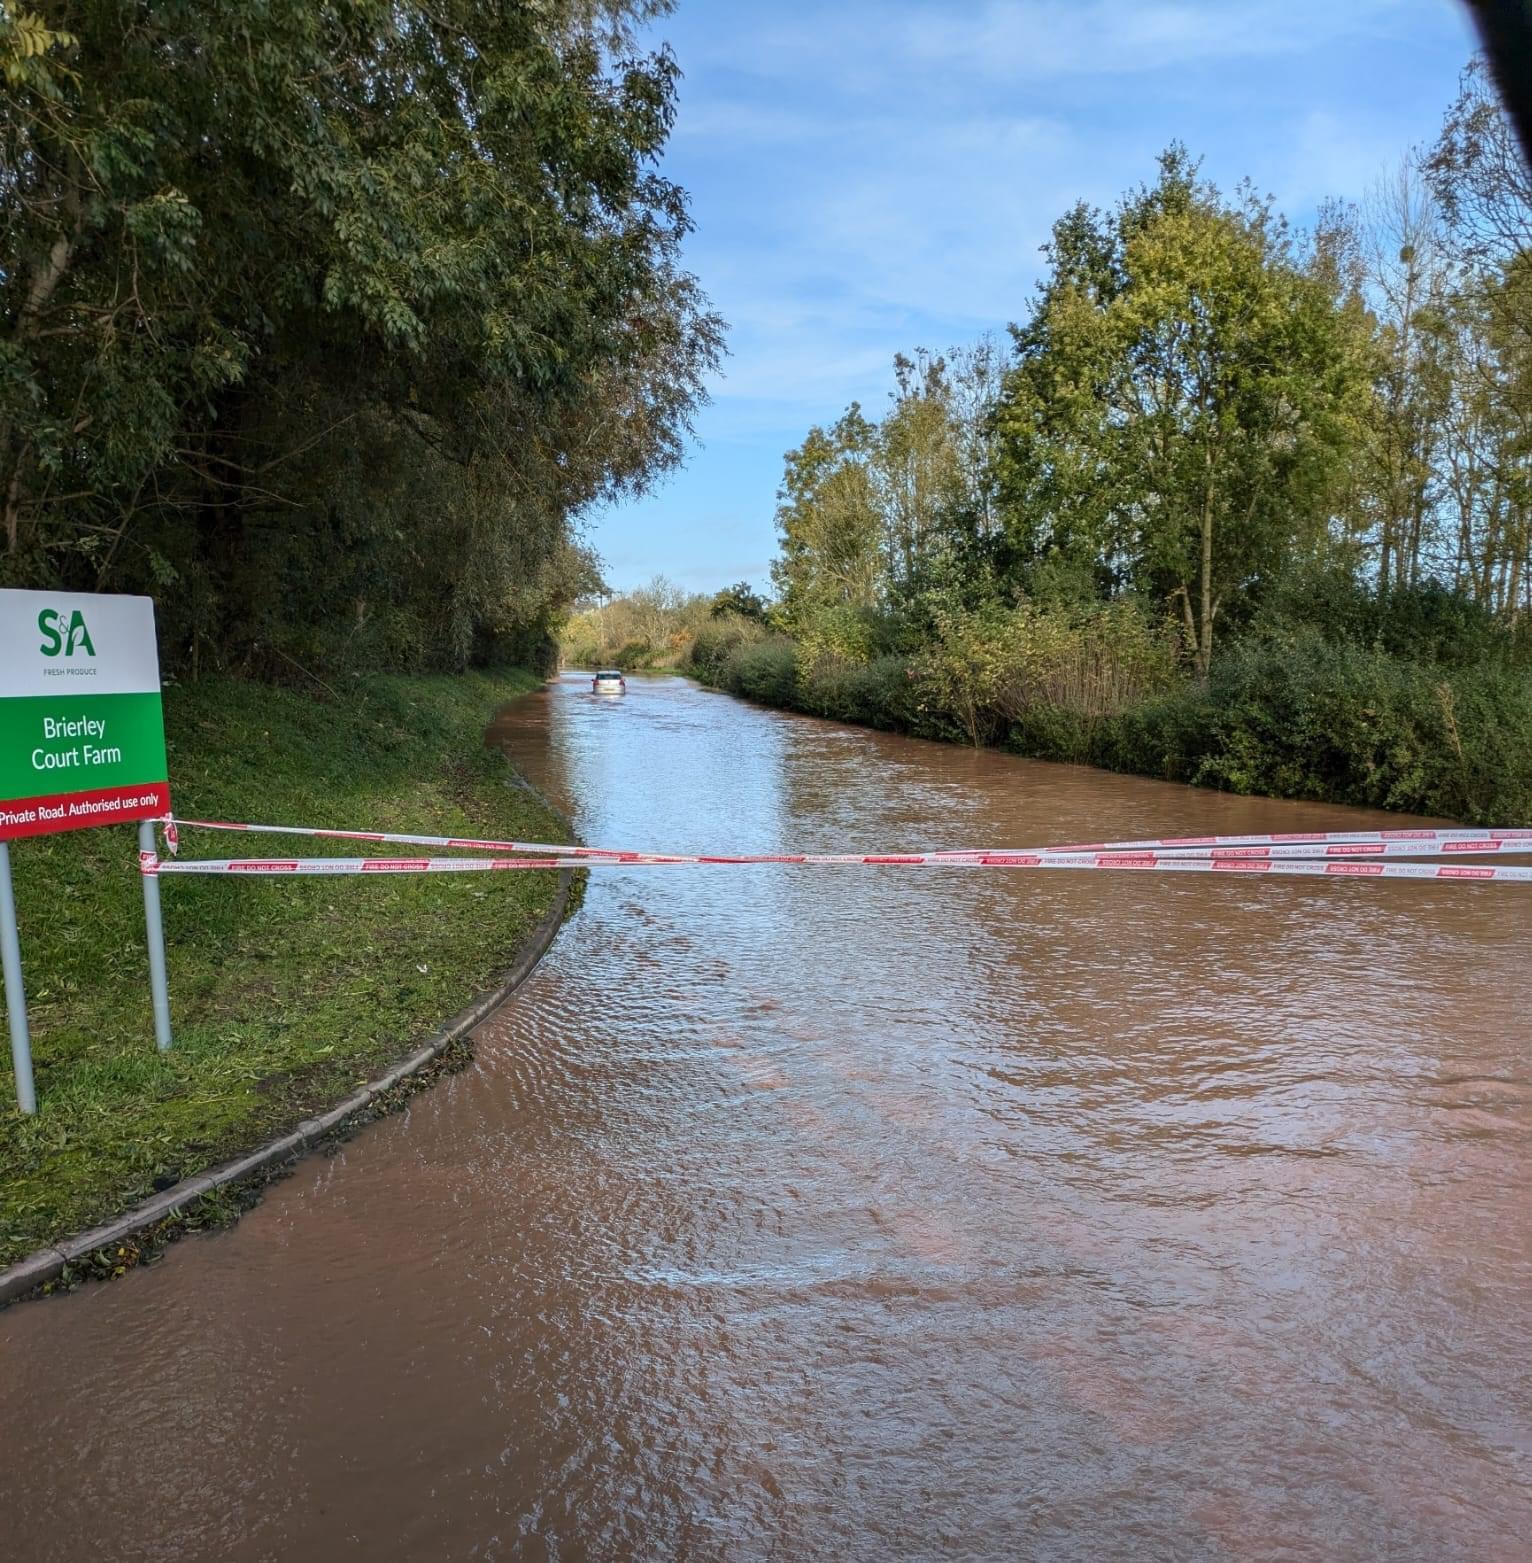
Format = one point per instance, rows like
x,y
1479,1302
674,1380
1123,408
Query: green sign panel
x,y
82,737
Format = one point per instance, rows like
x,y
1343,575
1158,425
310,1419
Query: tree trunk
x,y
43,286
1205,639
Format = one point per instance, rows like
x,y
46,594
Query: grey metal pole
x,y
15,994
159,986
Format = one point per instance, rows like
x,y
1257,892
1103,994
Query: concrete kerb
x,y
47,1264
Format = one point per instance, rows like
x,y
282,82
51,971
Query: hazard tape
x,y
1297,838
150,863
1401,843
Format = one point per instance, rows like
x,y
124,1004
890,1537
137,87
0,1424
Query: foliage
x,y
717,641
873,516
322,321
764,670
1320,444
1185,396
878,693
982,673
996,668
1290,713
1477,173
1429,623
740,600
828,516
1439,488
652,627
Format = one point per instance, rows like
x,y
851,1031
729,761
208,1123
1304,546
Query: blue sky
x,y
872,176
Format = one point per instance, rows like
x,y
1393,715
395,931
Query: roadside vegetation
x,y
1234,505
285,994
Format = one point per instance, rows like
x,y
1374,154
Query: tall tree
x,y
240,246
918,464
1478,175
1483,187
1410,278
1186,397
830,523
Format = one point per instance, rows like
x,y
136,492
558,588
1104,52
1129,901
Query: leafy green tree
x,y
1185,402
327,316
830,523
918,463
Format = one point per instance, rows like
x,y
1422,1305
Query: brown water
x,y
864,1213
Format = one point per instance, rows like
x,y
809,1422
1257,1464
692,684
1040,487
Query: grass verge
x,y
285,994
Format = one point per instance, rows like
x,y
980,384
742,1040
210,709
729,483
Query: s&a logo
x,y
61,638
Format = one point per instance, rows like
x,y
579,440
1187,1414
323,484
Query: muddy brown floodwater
x,y
863,1213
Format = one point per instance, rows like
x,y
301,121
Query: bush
x,y
878,693
1055,671
1308,704
718,640
1167,736
1430,622
765,670
1295,715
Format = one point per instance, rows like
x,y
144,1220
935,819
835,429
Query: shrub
x,y
878,693
1430,622
718,640
1054,671
1166,736
1294,715
1299,707
765,670
852,635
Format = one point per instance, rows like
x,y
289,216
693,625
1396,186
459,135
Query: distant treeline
x,y
653,626
1233,505
321,321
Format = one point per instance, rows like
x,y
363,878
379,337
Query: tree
x,y
830,523
1478,175
655,608
1483,189
1185,399
1410,283
918,463
742,601
327,318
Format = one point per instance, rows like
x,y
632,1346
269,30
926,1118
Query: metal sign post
x,y
159,986
82,743
15,995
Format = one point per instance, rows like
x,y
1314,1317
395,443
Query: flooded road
x,y
864,1213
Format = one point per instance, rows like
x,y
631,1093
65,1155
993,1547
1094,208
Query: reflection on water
x,y
863,1213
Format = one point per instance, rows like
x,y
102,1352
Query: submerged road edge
x,y
281,1155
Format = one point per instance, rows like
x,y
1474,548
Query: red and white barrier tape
x,y
1130,861
1393,843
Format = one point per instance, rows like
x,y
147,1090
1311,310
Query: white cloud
x,y
861,44
1051,38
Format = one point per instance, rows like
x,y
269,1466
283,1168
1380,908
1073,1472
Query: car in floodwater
x,y
609,682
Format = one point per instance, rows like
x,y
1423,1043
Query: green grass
x,y
285,994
